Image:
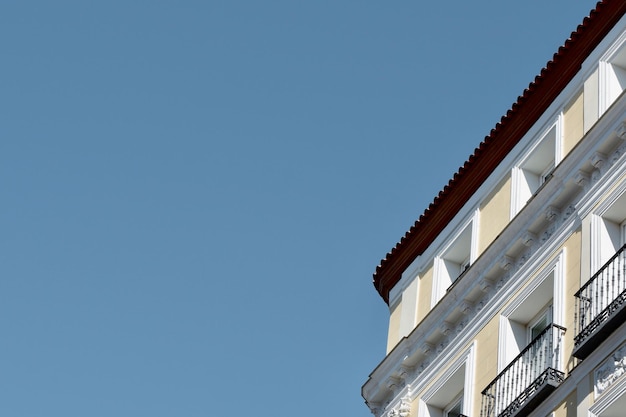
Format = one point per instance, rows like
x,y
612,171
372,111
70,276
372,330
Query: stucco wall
x,y
573,123
494,214
425,293
394,326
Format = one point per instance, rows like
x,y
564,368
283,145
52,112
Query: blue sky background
x,y
195,194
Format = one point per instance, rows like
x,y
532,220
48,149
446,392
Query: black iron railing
x,y
524,381
599,299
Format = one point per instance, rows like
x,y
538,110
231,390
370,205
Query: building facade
x,y
508,296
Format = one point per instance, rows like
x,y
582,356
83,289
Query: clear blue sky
x,y
195,194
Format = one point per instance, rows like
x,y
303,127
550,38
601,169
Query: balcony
x,y
600,305
528,379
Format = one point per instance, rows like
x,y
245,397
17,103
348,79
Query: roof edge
x,y
523,114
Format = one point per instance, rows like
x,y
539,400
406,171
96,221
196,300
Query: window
x,y
609,232
530,346
454,260
451,395
613,68
536,168
539,323
539,305
536,328
465,264
599,309
547,173
455,409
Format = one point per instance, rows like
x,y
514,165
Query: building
x,y
507,296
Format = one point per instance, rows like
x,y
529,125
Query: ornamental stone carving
x,y
582,178
552,213
621,130
405,408
597,160
613,368
446,328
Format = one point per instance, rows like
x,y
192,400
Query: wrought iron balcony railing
x,y
528,379
600,305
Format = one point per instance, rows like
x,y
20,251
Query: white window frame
x,y
522,191
467,359
612,74
606,239
545,313
457,401
442,280
555,269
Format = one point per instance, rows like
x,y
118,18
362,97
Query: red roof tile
x,y
552,79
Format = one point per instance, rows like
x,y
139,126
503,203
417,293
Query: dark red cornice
x,y
518,120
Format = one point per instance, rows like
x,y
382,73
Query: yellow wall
x,y
584,395
590,99
425,293
394,326
573,123
494,214
571,285
486,365
568,407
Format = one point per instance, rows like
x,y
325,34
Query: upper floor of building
x,y
507,171
519,265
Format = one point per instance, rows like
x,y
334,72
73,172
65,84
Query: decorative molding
x,y
393,382
406,372
618,153
404,410
607,373
621,130
597,160
466,307
506,263
427,348
375,407
528,239
446,328
552,213
582,178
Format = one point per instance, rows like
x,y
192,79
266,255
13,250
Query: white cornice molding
x,y
581,178
552,213
597,160
529,238
621,131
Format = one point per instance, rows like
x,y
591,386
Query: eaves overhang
x,y
523,114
